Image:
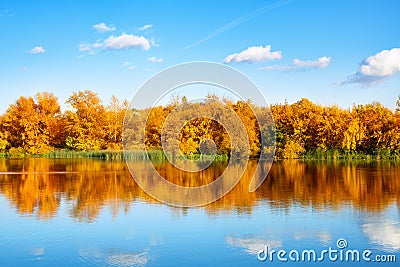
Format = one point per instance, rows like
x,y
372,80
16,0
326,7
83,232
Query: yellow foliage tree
x,y
85,123
114,119
33,125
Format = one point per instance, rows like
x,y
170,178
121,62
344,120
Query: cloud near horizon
x,y
102,27
375,68
301,65
121,42
254,54
37,50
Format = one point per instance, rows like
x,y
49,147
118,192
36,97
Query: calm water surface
x,y
57,212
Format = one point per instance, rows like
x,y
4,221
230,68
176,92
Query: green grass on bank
x,y
381,154
158,155
154,155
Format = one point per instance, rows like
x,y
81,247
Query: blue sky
x,y
331,52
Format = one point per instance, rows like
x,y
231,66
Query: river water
x,y
88,212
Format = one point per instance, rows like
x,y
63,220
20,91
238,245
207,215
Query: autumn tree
x,y
290,130
133,135
353,136
50,121
245,112
85,122
154,124
33,124
114,119
376,120
4,135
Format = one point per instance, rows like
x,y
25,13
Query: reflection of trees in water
x,y
38,186
365,185
88,185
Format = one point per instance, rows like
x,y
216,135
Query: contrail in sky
x,y
240,20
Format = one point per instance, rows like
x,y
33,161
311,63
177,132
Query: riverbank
x,y
379,154
157,155
316,154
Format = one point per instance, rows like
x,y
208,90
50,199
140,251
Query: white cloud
x,y
90,48
254,54
285,68
155,60
24,69
129,65
102,27
85,47
375,68
97,45
301,65
321,62
153,43
146,27
37,50
122,42
126,41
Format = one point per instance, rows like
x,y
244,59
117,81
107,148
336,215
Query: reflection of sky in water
x,y
383,230
122,259
126,228
252,245
127,259
323,236
37,251
386,234
152,234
